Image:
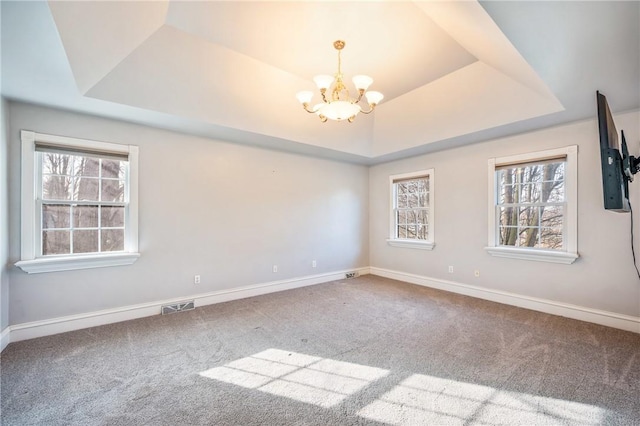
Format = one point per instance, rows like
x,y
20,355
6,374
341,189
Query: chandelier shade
x,y
336,103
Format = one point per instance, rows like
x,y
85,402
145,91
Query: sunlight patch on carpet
x,y
305,378
422,399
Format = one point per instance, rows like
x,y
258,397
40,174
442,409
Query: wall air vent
x,y
178,307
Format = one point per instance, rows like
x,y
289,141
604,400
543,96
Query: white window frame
x,y
569,253
31,260
405,242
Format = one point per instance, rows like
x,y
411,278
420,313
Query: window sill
x,y
532,254
70,263
415,244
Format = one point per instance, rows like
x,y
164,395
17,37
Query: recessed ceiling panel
x,y
472,99
181,74
446,69
396,43
97,35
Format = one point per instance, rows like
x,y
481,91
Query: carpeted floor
x,y
366,351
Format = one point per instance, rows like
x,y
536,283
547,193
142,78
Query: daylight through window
x,y
82,203
531,205
412,209
79,204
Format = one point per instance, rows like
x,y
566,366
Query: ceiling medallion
x,y
337,104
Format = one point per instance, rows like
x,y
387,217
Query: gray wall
x,y
602,278
229,212
225,211
4,213
4,209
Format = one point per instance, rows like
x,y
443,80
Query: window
x,y
533,206
79,204
412,210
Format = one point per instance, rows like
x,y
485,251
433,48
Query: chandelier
x,y
337,104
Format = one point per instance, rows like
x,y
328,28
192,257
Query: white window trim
x,y
570,232
29,260
410,243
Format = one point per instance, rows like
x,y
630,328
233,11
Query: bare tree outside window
x,y
83,204
531,205
411,208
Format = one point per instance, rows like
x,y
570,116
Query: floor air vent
x,y
177,307
351,274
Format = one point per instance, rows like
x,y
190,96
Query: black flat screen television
x,y
615,182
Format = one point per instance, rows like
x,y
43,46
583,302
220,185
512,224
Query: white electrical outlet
x,y
451,269
313,264
196,279
275,268
476,273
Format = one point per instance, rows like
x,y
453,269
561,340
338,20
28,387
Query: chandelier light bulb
x,y
323,81
373,98
362,82
337,104
304,97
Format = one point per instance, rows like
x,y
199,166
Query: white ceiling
x,y
452,72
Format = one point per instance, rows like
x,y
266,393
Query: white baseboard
x,y
5,337
609,319
15,333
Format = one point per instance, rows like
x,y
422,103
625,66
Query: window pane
x,y
402,201
507,216
528,216
113,190
530,193
55,216
112,217
401,216
402,231
423,184
555,190
113,169
540,184
88,167
413,200
528,237
85,217
552,216
423,217
85,241
411,231
423,199
86,189
508,235
422,232
508,194
113,240
56,187
412,217
57,164
56,242
551,238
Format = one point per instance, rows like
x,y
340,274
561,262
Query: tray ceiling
x,y
231,70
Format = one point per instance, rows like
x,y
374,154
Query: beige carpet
x,y
362,351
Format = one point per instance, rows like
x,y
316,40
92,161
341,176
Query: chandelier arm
x,y
323,92
373,106
305,106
